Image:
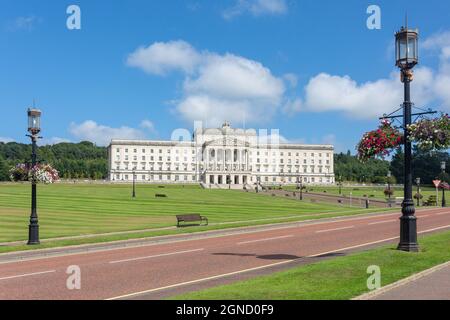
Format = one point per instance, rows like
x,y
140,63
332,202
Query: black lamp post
x,y
418,191
406,45
134,183
389,175
257,184
340,185
300,187
443,165
34,127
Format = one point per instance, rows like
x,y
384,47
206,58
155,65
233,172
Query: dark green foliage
x,y
426,165
82,160
4,170
351,169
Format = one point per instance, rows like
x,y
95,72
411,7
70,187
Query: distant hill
x,y
82,160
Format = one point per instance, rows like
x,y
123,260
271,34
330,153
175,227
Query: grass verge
x,y
340,278
48,244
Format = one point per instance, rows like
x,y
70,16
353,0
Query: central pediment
x,y
227,142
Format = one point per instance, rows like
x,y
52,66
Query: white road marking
x,y
441,213
434,229
155,256
27,275
381,222
424,216
203,236
243,271
265,266
337,229
261,240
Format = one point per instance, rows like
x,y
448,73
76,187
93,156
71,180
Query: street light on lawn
x,y
389,176
406,47
300,186
443,166
34,127
134,182
418,191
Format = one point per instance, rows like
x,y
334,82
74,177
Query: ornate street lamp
x,y
134,183
407,57
257,184
418,191
389,176
34,127
300,186
340,185
443,165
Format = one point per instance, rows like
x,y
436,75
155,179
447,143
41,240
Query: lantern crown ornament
x,y
407,48
34,121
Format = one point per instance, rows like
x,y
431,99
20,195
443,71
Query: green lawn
x,y
335,279
373,192
74,209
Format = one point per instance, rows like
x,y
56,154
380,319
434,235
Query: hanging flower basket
x,y
40,173
444,185
431,134
380,142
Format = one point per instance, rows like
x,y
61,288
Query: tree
x,y
72,160
426,165
4,170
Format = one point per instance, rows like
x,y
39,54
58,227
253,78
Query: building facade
x,y
223,156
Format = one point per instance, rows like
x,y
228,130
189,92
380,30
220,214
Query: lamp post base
x,y
408,234
33,235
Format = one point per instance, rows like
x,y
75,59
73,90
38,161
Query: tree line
x,y
82,160
85,160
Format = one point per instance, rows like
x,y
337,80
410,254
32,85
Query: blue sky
x,y
140,69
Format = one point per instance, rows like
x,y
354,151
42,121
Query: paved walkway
x,y
432,284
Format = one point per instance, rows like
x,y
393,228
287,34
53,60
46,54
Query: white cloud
x,y
441,43
291,79
148,125
26,23
163,57
293,106
6,140
222,87
53,140
326,92
102,135
256,8
235,77
231,88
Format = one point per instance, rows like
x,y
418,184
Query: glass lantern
x,y
34,121
407,48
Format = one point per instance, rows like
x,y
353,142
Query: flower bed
x,y
40,173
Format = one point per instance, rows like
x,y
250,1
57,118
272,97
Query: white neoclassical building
x,y
223,156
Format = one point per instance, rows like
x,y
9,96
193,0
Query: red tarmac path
x,y
138,272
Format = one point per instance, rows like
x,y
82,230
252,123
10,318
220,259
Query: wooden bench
x,y
188,218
